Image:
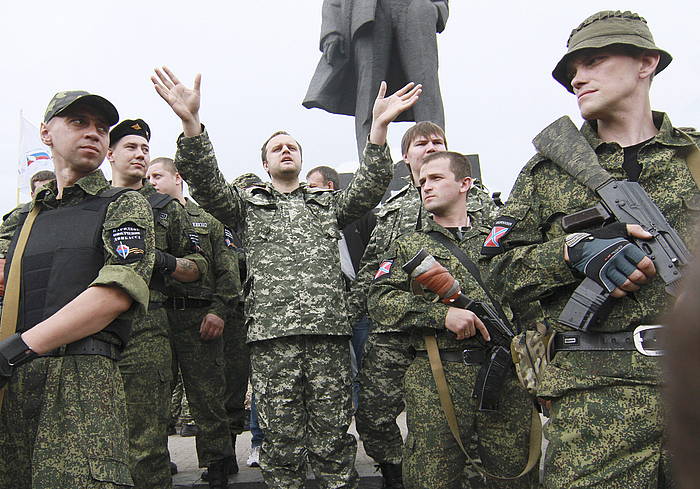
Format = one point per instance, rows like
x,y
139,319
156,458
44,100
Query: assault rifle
x,y
621,201
425,270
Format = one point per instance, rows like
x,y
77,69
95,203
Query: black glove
x,y
165,262
13,353
604,255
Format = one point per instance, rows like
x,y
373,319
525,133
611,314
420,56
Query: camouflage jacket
x,y
175,235
294,284
530,272
129,209
398,303
400,214
221,283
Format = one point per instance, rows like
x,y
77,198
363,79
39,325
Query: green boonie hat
x,y
606,28
63,100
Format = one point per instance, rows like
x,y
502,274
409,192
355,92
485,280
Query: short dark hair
x,y
328,174
459,164
263,150
40,176
421,129
168,163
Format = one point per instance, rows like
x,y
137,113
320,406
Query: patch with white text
x,y
128,242
384,269
194,242
501,228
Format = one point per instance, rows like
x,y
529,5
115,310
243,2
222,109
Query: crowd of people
x,y
115,290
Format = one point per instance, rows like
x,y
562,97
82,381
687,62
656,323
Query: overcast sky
x,y
257,57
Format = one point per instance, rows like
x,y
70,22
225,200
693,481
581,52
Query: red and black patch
x,y
128,242
384,269
501,228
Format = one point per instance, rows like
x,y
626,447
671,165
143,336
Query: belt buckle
x,y
179,303
467,357
637,337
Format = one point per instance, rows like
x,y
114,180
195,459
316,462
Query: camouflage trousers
x,y
179,407
609,437
432,458
146,368
236,370
303,393
201,364
63,424
385,360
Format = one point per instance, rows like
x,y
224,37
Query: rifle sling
x,y
471,268
449,411
10,310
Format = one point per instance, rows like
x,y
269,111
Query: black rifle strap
x,y
470,266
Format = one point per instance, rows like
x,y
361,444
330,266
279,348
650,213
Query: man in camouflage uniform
x,y
432,457
294,293
388,351
146,362
89,256
606,425
196,313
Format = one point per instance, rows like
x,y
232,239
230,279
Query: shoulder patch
x,y
128,242
384,269
501,227
229,238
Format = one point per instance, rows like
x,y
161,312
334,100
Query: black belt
x,y
182,303
86,346
152,306
644,339
469,357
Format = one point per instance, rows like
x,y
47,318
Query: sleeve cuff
x,y
128,280
200,261
194,145
436,315
374,151
552,253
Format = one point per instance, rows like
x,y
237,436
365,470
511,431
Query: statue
x,y
367,41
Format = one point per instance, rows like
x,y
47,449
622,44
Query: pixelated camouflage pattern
x,y
63,424
146,369
389,304
294,284
533,276
75,426
147,358
236,369
385,360
611,436
432,458
397,216
246,180
529,350
201,364
302,386
392,301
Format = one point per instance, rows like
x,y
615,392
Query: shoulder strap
x,y
113,192
10,310
535,446
470,266
159,201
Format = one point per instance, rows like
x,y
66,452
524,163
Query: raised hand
x,y
183,100
387,109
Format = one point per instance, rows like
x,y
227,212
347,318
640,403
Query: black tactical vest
x,y
63,255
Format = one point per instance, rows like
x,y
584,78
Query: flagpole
x,y
19,152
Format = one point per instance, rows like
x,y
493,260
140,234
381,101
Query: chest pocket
x,y
261,212
201,229
322,208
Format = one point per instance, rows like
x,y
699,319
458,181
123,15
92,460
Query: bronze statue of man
x,y
367,41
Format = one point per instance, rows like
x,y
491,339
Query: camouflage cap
x,y
607,28
63,100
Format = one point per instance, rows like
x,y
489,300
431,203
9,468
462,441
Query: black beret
x,y
128,127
